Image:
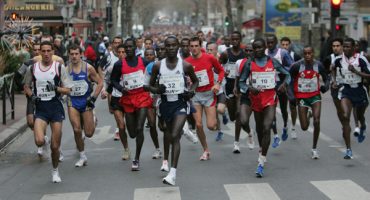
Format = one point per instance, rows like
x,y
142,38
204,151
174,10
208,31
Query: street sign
x,y
66,12
346,20
303,10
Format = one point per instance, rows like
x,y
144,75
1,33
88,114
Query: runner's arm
x,y
243,78
189,70
324,75
219,69
94,76
66,81
115,76
153,79
27,80
282,70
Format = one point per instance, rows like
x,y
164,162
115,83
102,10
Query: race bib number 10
x,y
263,80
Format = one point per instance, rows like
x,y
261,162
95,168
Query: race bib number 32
x,y
175,84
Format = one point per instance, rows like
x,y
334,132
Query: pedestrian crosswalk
x,y
332,189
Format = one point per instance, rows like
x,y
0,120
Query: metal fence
x,y
7,92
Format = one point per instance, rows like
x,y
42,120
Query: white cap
x,y
106,38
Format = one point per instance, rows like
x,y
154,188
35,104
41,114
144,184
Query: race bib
x,y
230,68
202,77
41,90
79,88
133,80
175,84
263,80
307,85
351,78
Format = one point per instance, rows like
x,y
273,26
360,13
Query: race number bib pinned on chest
x,y
175,84
350,77
133,80
307,85
202,77
230,68
79,88
42,92
263,80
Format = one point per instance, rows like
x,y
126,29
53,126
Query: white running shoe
x,y
116,136
250,141
55,176
315,154
205,156
164,167
293,134
157,154
188,134
61,155
81,162
170,179
40,152
46,143
236,147
126,154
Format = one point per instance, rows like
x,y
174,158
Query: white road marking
x,y
67,196
341,190
159,193
101,135
255,191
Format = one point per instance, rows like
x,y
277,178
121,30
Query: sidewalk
x,y
13,127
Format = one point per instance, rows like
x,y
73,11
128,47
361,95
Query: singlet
x,y
263,77
306,83
173,79
41,78
231,65
81,85
133,78
345,75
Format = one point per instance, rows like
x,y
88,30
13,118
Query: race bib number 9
x,y
79,88
263,80
175,84
41,90
133,80
306,85
202,77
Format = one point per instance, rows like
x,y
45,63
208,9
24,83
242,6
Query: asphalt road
x,y
290,173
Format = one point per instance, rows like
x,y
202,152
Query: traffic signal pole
x,y
334,13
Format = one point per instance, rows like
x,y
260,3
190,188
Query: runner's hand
x,y
103,94
35,99
334,85
91,102
352,68
51,87
254,91
188,95
282,88
323,89
161,89
216,88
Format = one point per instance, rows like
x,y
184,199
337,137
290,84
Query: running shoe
x,y
250,141
46,143
116,135
126,154
284,136
135,165
40,152
236,147
205,156
259,171
95,119
157,154
361,137
170,179
55,176
315,154
348,154
164,167
309,114
81,162
293,134
147,125
225,120
61,155
189,135
356,132
276,142
219,136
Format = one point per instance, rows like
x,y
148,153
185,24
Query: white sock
x,y
55,169
173,171
293,127
117,130
261,160
82,154
276,136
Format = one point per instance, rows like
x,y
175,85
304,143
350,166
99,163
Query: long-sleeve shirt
x,y
261,62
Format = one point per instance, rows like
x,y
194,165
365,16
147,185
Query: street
x,y
290,173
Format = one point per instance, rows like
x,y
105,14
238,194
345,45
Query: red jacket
x,y
90,53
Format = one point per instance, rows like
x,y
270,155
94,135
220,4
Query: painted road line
x,y
159,193
255,191
341,190
67,196
101,135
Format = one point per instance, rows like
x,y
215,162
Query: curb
x,y
13,131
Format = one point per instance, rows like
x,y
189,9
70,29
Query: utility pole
x,y
229,15
2,14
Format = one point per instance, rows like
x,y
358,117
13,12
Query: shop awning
x,y
77,22
253,24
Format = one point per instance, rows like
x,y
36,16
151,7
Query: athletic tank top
x,y
41,79
173,79
231,65
81,85
347,76
307,83
133,78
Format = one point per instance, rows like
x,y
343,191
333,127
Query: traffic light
x,y
14,16
227,22
338,27
335,7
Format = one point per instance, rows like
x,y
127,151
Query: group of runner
x,y
179,80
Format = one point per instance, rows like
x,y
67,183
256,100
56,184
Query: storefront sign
x,y
31,7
